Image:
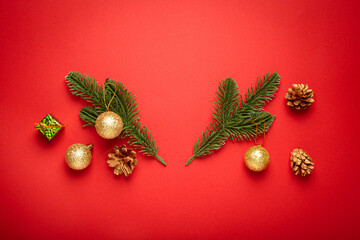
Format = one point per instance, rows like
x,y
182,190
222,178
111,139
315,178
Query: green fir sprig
x,y
124,104
235,119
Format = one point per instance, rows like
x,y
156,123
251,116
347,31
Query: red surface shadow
x,y
75,174
42,141
256,176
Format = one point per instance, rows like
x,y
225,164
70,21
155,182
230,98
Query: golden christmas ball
x,y
108,125
78,156
257,158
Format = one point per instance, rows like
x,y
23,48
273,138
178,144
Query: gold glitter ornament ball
x,y
257,158
78,156
108,125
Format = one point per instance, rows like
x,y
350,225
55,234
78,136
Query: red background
x,y
172,55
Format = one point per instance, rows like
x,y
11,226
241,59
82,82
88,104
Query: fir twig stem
x,y
192,158
160,160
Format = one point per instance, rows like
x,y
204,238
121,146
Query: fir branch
x,y
252,102
263,91
124,104
227,102
246,129
212,140
234,120
141,138
89,115
85,87
214,136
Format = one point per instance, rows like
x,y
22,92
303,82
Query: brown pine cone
x,y
123,160
299,96
300,161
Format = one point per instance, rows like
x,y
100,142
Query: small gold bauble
x,y
257,158
108,125
78,156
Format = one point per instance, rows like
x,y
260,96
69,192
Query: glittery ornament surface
x,y
78,156
257,158
109,125
49,127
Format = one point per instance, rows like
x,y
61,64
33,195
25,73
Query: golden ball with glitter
x,y
108,125
78,156
257,158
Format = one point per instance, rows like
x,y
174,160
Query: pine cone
x,y
300,161
123,160
299,96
